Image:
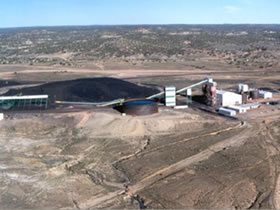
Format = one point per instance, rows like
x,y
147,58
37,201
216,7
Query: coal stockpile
x,y
6,83
87,90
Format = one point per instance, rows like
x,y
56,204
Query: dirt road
x,y
163,173
205,154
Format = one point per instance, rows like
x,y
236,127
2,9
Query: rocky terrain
x,y
236,45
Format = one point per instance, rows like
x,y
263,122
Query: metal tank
x,y
139,107
254,94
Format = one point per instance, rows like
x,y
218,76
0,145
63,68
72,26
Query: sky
x,y
21,13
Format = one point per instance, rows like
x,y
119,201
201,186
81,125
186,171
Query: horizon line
x,y
152,24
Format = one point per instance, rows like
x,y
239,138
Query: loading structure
x,y
23,102
158,95
209,89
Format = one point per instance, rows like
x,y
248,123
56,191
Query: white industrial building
x,y
265,94
227,112
238,109
251,106
226,98
242,88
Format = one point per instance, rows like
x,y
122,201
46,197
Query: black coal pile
x,y
6,83
87,90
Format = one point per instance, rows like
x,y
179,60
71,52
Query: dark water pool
x,y
139,103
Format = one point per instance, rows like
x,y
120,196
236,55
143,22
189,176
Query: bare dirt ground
x,y
45,156
96,158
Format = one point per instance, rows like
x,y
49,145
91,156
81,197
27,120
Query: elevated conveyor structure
x,y
122,101
158,95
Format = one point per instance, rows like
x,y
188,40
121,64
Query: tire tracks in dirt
x,y
214,133
144,147
85,118
204,155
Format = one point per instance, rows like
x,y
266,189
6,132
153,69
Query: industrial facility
x,y
23,102
225,102
226,98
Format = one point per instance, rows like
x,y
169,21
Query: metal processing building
x,y
265,94
23,102
226,98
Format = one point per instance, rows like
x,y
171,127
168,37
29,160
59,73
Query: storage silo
x,y
254,94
